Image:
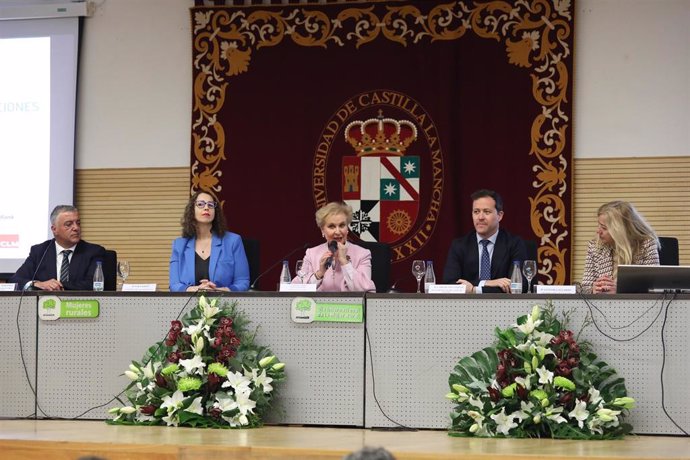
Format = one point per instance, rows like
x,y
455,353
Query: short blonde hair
x,y
628,229
333,208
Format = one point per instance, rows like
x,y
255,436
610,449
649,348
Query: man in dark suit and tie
x,y
65,262
482,260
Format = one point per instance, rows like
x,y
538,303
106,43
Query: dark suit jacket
x,y
463,259
81,267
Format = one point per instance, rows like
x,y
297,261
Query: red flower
x,y
522,392
494,394
161,382
148,410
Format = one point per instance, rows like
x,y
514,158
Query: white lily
x,y
523,346
476,403
195,406
540,351
172,403
263,380
504,422
131,375
171,419
542,338
208,310
474,415
554,413
244,403
128,410
225,402
527,406
545,375
237,381
536,312
197,329
194,365
529,325
148,371
526,383
608,415
594,396
579,413
144,418
198,345
594,424
142,390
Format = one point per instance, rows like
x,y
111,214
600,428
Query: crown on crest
x,y
380,136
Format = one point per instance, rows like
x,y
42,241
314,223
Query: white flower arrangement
x,y
207,372
538,381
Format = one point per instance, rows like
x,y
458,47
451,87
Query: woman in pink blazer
x,y
336,265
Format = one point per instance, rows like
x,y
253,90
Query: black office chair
x,y
251,248
380,264
668,254
110,270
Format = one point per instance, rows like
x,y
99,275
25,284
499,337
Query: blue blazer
x,y
228,266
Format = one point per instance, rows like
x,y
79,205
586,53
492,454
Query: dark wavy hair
x,y
189,221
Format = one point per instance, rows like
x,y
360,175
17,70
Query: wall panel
x,y
136,212
659,188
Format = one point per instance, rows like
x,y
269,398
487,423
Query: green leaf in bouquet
x,y
506,337
613,389
476,371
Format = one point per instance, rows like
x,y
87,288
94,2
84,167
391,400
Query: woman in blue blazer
x,y
207,256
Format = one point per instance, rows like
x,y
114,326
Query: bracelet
x,y
316,275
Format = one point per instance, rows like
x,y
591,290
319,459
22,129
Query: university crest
x,y
381,183
389,169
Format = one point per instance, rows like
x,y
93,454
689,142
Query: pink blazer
x,y
354,276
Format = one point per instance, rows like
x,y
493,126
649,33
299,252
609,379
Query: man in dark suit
x,y
65,262
482,260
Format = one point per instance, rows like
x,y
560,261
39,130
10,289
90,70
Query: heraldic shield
x,y
380,183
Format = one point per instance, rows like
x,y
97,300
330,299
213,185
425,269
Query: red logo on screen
x,y
9,241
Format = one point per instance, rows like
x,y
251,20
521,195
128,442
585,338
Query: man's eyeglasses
x,y
201,204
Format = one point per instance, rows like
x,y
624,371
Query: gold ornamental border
x,y
533,32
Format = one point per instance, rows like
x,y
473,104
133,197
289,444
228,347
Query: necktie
x,y
64,268
485,267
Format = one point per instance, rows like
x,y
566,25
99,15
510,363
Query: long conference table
x,y
389,370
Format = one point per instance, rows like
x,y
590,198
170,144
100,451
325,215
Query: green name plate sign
x,y
51,308
306,310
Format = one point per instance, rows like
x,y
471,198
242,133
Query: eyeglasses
x,y
201,204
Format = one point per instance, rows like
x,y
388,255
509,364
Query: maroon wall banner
x,y
400,109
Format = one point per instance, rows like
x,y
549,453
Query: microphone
x,y
38,265
333,247
253,287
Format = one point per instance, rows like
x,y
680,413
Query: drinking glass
x,y
418,269
299,270
123,270
529,269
